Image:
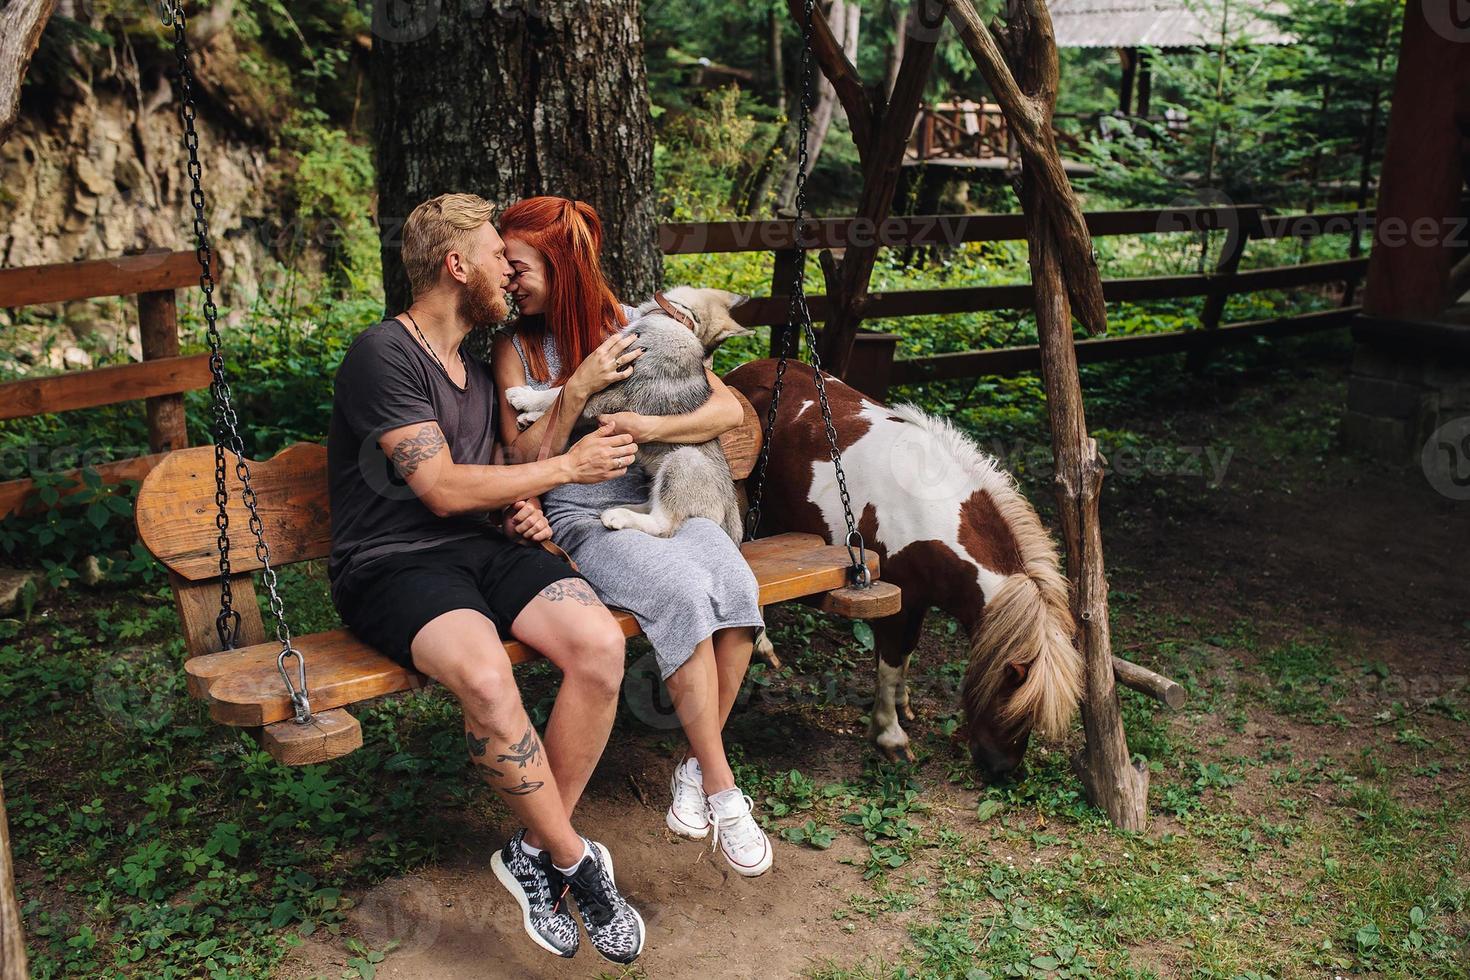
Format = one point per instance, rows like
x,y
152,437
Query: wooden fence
x,y
162,377
875,368
159,380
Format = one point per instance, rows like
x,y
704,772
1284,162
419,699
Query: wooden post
x,y
1420,179
1063,271
1110,780
1145,84
1218,293
12,936
158,332
1128,58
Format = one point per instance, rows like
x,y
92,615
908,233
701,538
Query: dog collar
x,y
667,305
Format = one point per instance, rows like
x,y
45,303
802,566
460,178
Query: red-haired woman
x,y
692,593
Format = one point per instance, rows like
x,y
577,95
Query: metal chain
x,y
799,313
226,424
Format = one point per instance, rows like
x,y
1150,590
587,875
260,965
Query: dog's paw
x,y
618,518
526,419
524,398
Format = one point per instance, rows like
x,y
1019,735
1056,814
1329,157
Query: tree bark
x,y
508,100
21,24
1025,80
12,937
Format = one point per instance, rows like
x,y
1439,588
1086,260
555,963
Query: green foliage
x,y
186,850
1273,124
706,156
334,189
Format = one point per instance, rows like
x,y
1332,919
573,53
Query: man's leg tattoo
x,y
525,752
575,589
528,749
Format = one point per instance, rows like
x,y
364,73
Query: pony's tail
x,y
1027,623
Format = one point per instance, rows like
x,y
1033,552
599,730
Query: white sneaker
x,y
744,844
688,814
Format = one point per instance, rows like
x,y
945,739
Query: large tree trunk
x,y
509,100
12,939
21,24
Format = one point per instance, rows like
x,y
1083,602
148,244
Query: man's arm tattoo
x,y
575,589
527,750
415,450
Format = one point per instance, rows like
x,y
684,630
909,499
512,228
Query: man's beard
x,y
482,305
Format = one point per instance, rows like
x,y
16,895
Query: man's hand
x,y
600,455
524,522
643,428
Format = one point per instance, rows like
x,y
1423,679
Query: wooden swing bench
x,y
176,515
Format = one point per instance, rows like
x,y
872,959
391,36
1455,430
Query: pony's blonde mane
x,y
1028,621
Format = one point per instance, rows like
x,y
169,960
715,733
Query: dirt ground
x,y
1297,537
456,921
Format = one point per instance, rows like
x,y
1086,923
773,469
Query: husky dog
x,y
688,480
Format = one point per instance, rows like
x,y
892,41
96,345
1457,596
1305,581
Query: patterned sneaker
x,y
741,839
614,926
688,815
538,888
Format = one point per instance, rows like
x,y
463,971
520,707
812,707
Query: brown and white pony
x,y
952,531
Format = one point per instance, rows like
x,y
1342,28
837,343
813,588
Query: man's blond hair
x,y
437,227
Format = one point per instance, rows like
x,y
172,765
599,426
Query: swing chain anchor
x,y
861,577
297,691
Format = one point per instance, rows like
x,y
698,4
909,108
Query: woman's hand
x,y
643,428
612,361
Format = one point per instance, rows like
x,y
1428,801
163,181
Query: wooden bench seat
x,y
243,687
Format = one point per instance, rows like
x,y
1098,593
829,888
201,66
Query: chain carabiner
x,y
861,577
297,691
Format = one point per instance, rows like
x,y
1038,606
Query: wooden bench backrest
x,y
176,508
125,275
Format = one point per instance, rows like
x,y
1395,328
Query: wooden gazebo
x,y
1131,25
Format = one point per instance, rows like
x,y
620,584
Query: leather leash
x,y
497,457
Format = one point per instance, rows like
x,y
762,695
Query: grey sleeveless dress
x,y
681,589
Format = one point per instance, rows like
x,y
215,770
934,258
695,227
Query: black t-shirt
x,y
388,380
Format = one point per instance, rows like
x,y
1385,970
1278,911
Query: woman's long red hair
x,y
581,310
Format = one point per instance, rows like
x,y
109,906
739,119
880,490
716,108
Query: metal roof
x,y
1163,23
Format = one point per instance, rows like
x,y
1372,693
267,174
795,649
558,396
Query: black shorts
x,y
394,597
